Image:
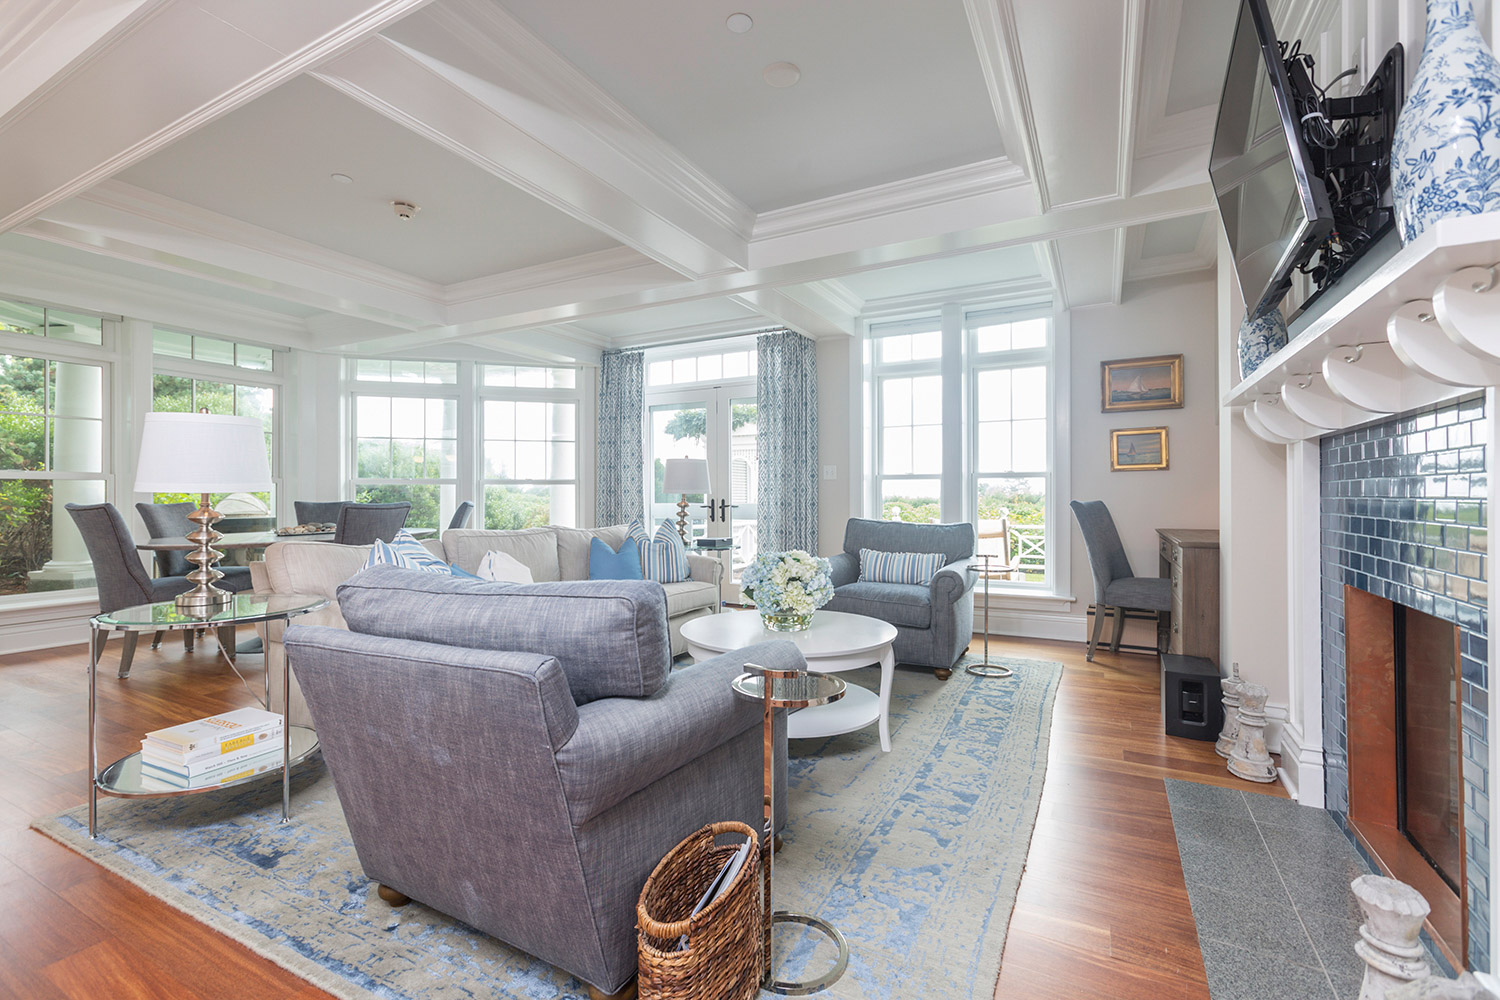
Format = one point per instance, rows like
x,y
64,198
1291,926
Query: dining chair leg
x,y
128,653
187,639
156,640
226,641
1114,640
1099,611
98,640
1163,631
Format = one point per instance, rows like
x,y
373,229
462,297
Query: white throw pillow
x,y
502,567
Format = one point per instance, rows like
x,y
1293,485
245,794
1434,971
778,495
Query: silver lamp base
x,y
204,598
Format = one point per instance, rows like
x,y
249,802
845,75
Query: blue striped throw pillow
x,y
405,550
663,558
899,567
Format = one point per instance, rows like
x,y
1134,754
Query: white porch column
x,y
77,400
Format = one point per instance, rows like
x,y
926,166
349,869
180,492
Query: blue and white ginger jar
x,y
1259,339
1446,151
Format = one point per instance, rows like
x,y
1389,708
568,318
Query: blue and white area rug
x,y
916,855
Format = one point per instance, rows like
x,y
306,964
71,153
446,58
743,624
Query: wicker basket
x,y
723,957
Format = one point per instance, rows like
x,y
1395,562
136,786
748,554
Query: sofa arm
x,y
705,569
953,581
623,745
845,568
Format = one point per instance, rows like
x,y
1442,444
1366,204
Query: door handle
x,y
710,506
724,510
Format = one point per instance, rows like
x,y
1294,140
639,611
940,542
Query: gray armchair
x,y
934,623
535,755
1116,587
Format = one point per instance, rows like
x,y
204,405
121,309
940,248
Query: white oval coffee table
x,y
835,641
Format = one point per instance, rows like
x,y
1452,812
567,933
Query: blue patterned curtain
x,y
620,461
787,449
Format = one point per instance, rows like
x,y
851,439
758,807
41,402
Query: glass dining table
x,y
252,541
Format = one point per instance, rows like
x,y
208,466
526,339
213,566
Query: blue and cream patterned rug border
x,y
916,855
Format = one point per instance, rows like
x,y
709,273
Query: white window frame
x,y
583,435
879,371
959,477
460,391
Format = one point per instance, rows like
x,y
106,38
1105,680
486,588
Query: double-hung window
x,y
54,384
1009,420
908,446
406,437
529,429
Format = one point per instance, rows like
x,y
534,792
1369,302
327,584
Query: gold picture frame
x,y
1141,384
1138,449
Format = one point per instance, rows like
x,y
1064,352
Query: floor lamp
x,y
202,453
684,476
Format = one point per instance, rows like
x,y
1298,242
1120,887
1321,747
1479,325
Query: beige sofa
x,y
551,553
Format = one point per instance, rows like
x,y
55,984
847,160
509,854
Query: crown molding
x,y
1131,60
1203,255
999,293
997,42
74,30
937,188
840,295
85,288
718,330
584,267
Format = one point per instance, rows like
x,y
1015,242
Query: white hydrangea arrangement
x,y
794,582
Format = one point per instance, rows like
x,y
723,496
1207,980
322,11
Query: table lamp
x,y
684,476
202,453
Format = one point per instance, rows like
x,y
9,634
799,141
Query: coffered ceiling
x,y
598,173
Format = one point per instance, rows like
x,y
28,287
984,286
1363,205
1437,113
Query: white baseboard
x,y
1301,768
1033,624
39,625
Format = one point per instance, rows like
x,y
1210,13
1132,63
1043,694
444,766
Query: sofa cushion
x,y
898,603
609,635
876,566
664,558
405,550
606,563
502,567
573,548
689,595
536,548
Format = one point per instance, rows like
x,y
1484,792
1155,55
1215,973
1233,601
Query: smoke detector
x,y
405,210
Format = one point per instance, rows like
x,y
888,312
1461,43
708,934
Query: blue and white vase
x,y
1446,151
1259,339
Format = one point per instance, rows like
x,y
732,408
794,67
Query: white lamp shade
x,y
686,475
202,453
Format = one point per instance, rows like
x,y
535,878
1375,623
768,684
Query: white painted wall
x,y
1168,316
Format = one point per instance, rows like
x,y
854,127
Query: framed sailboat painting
x,y
1138,449
1141,383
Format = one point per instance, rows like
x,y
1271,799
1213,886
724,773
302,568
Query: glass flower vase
x,y
785,621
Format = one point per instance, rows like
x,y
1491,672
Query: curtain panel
x,y
620,464
787,449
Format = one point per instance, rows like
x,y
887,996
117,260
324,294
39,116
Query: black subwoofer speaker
x,y
1192,702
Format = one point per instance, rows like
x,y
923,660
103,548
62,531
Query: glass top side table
x,y
788,689
123,778
987,669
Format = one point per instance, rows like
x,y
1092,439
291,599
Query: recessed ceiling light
x,y
739,23
341,178
782,74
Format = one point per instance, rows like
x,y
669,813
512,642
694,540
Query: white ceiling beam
x,y
41,38
158,77
1059,223
535,121
993,25
800,309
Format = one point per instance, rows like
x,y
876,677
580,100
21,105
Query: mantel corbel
x,y
1307,396
1259,429
1422,344
1370,376
1466,305
1277,419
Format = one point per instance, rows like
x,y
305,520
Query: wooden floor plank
x,y
1102,908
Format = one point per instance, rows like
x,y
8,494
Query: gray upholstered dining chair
x,y
170,520
319,511
365,523
118,572
462,515
1116,587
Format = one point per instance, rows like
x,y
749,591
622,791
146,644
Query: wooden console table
x,y
1190,556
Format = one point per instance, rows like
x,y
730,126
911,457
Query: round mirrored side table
x,y
123,778
788,689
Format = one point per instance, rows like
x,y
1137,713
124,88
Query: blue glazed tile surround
x,y
1404,517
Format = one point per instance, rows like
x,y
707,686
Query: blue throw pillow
x,y
663,558
899,567
462,573
405,550
606,563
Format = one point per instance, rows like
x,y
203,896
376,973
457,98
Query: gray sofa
x,y
521,756
935,623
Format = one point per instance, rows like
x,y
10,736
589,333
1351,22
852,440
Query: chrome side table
x,y
123,777
987,669
787,689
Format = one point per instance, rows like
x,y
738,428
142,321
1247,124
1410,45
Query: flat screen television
x,y
1274,206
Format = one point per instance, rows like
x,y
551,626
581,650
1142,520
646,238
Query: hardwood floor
x,y
1102,907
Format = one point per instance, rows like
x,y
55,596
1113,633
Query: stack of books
x,y
215,750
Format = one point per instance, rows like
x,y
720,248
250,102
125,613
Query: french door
x,y
717,424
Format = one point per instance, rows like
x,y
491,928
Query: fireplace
x,y
1404,763
1405,650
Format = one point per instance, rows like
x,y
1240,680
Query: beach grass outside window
x,y
529,446
1009,423
908,448
52,439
